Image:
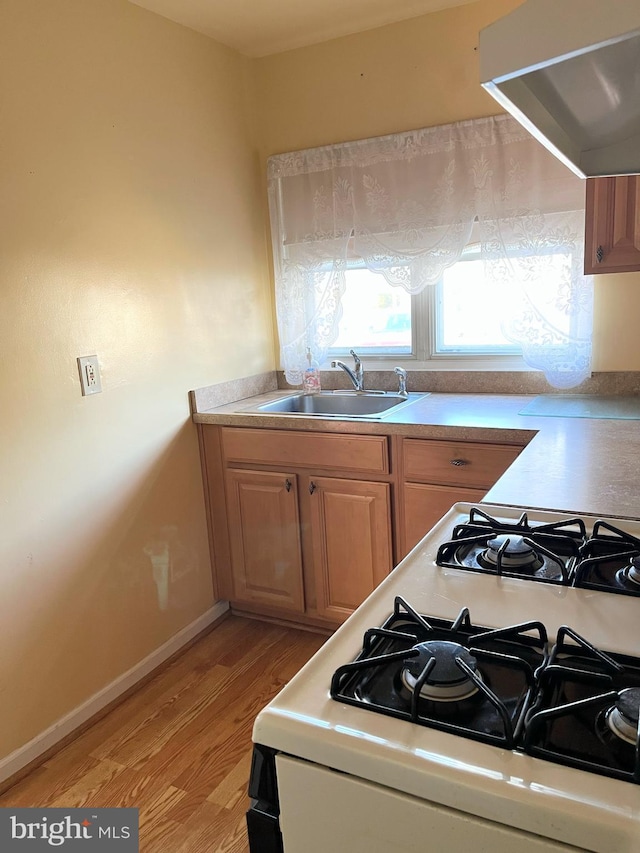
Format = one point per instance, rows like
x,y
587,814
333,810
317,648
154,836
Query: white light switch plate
x,y
89,370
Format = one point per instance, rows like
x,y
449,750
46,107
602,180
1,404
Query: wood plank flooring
x,y
179,749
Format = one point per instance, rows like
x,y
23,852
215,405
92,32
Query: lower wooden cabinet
x,y
305,525
424,504
348,536
351,542
437,474
302,529
264,538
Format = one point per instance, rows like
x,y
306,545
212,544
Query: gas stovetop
x,y
569,702
562,551
547,681
573,704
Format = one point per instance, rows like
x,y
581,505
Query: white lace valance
x,y
407,204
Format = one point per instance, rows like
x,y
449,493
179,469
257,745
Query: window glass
x,y
376,317
470,310
467,311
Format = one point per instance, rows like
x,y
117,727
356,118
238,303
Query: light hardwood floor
x,y
179,749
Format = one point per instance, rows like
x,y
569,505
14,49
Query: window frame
x,y
424,353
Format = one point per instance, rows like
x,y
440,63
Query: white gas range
x,y
422,725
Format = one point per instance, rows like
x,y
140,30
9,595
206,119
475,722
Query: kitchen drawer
x,y
319,451
456,463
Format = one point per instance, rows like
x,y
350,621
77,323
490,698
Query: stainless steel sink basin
x,y
335,404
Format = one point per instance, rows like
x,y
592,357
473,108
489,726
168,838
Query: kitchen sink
x,y
337,404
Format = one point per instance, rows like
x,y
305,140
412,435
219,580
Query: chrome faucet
x,y
402,381
356,375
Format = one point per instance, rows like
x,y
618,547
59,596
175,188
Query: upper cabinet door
x,y
612,226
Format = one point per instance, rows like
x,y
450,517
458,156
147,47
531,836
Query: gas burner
x,y
436,671
428,671
586,711
630,575
622,718
610,561
516,548
510,552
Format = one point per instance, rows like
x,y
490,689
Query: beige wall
x,y
416,73
130,227
616,345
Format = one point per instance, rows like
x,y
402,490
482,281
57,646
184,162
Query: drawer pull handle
x,y
287,485
312,487
459,462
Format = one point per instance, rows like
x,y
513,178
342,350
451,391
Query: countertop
x,y
574,465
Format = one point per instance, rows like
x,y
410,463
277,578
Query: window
x,y
414,201
461,316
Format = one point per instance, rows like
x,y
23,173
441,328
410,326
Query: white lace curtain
x,y
406,204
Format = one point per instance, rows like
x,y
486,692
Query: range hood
x,y
569,71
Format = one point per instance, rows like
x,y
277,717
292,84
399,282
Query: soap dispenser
x,y
311,379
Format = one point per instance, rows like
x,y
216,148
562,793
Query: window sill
x,y
497,364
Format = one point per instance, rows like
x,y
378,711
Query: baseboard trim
x,y
13,763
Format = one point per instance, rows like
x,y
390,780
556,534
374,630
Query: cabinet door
x,y
612,226
264,534
424,505
351,542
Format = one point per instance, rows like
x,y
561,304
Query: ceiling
x,y
261,27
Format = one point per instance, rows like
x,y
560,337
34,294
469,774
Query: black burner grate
x,y
568,722
507,660
556,547
606,561
507,690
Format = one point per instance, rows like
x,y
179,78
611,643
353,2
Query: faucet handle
x,y
402,381
358,370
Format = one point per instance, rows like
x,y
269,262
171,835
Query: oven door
x,y
322,810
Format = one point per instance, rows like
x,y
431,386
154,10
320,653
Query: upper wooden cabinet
x,y
612,225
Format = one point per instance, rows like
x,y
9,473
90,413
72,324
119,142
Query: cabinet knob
x,y
599,254
458,462
312,487
287,485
